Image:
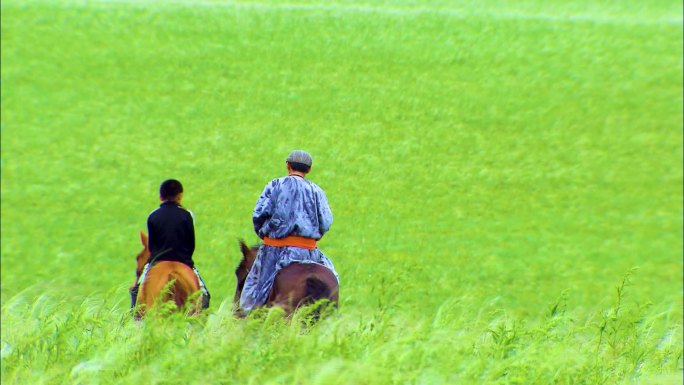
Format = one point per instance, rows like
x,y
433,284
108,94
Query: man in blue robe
x,y
291,215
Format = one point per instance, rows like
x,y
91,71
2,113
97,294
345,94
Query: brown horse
x,y
296,285
165,281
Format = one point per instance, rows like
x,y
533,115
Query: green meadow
x,y
506,181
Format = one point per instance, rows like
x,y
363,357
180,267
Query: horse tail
x,y
176,288
175,291
315,290
181,289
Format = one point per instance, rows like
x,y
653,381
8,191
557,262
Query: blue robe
x,y
289,205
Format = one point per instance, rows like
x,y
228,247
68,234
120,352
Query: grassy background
x,y
495,171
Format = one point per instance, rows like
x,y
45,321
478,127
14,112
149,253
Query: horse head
x,y
241,272
142,257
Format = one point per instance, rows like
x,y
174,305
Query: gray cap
x,y
299,156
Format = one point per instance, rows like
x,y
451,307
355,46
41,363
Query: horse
x,y
165,281
295,285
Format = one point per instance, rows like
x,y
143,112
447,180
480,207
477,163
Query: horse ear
x,y
143,238
243,247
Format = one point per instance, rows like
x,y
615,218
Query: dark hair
x,y
301,167
170,189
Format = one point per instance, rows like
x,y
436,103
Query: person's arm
x,y
151,237
325,216
264,209
191,233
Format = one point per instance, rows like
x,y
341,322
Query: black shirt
x,y
172,234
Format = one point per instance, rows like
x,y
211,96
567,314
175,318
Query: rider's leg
x,y
205,292
134,294
134,289
259,280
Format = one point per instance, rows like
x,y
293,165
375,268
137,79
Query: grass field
x,y
506,180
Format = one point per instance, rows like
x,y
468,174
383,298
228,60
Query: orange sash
x,y
292,240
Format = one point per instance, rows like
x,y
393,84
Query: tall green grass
x,y
496,172
92,340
